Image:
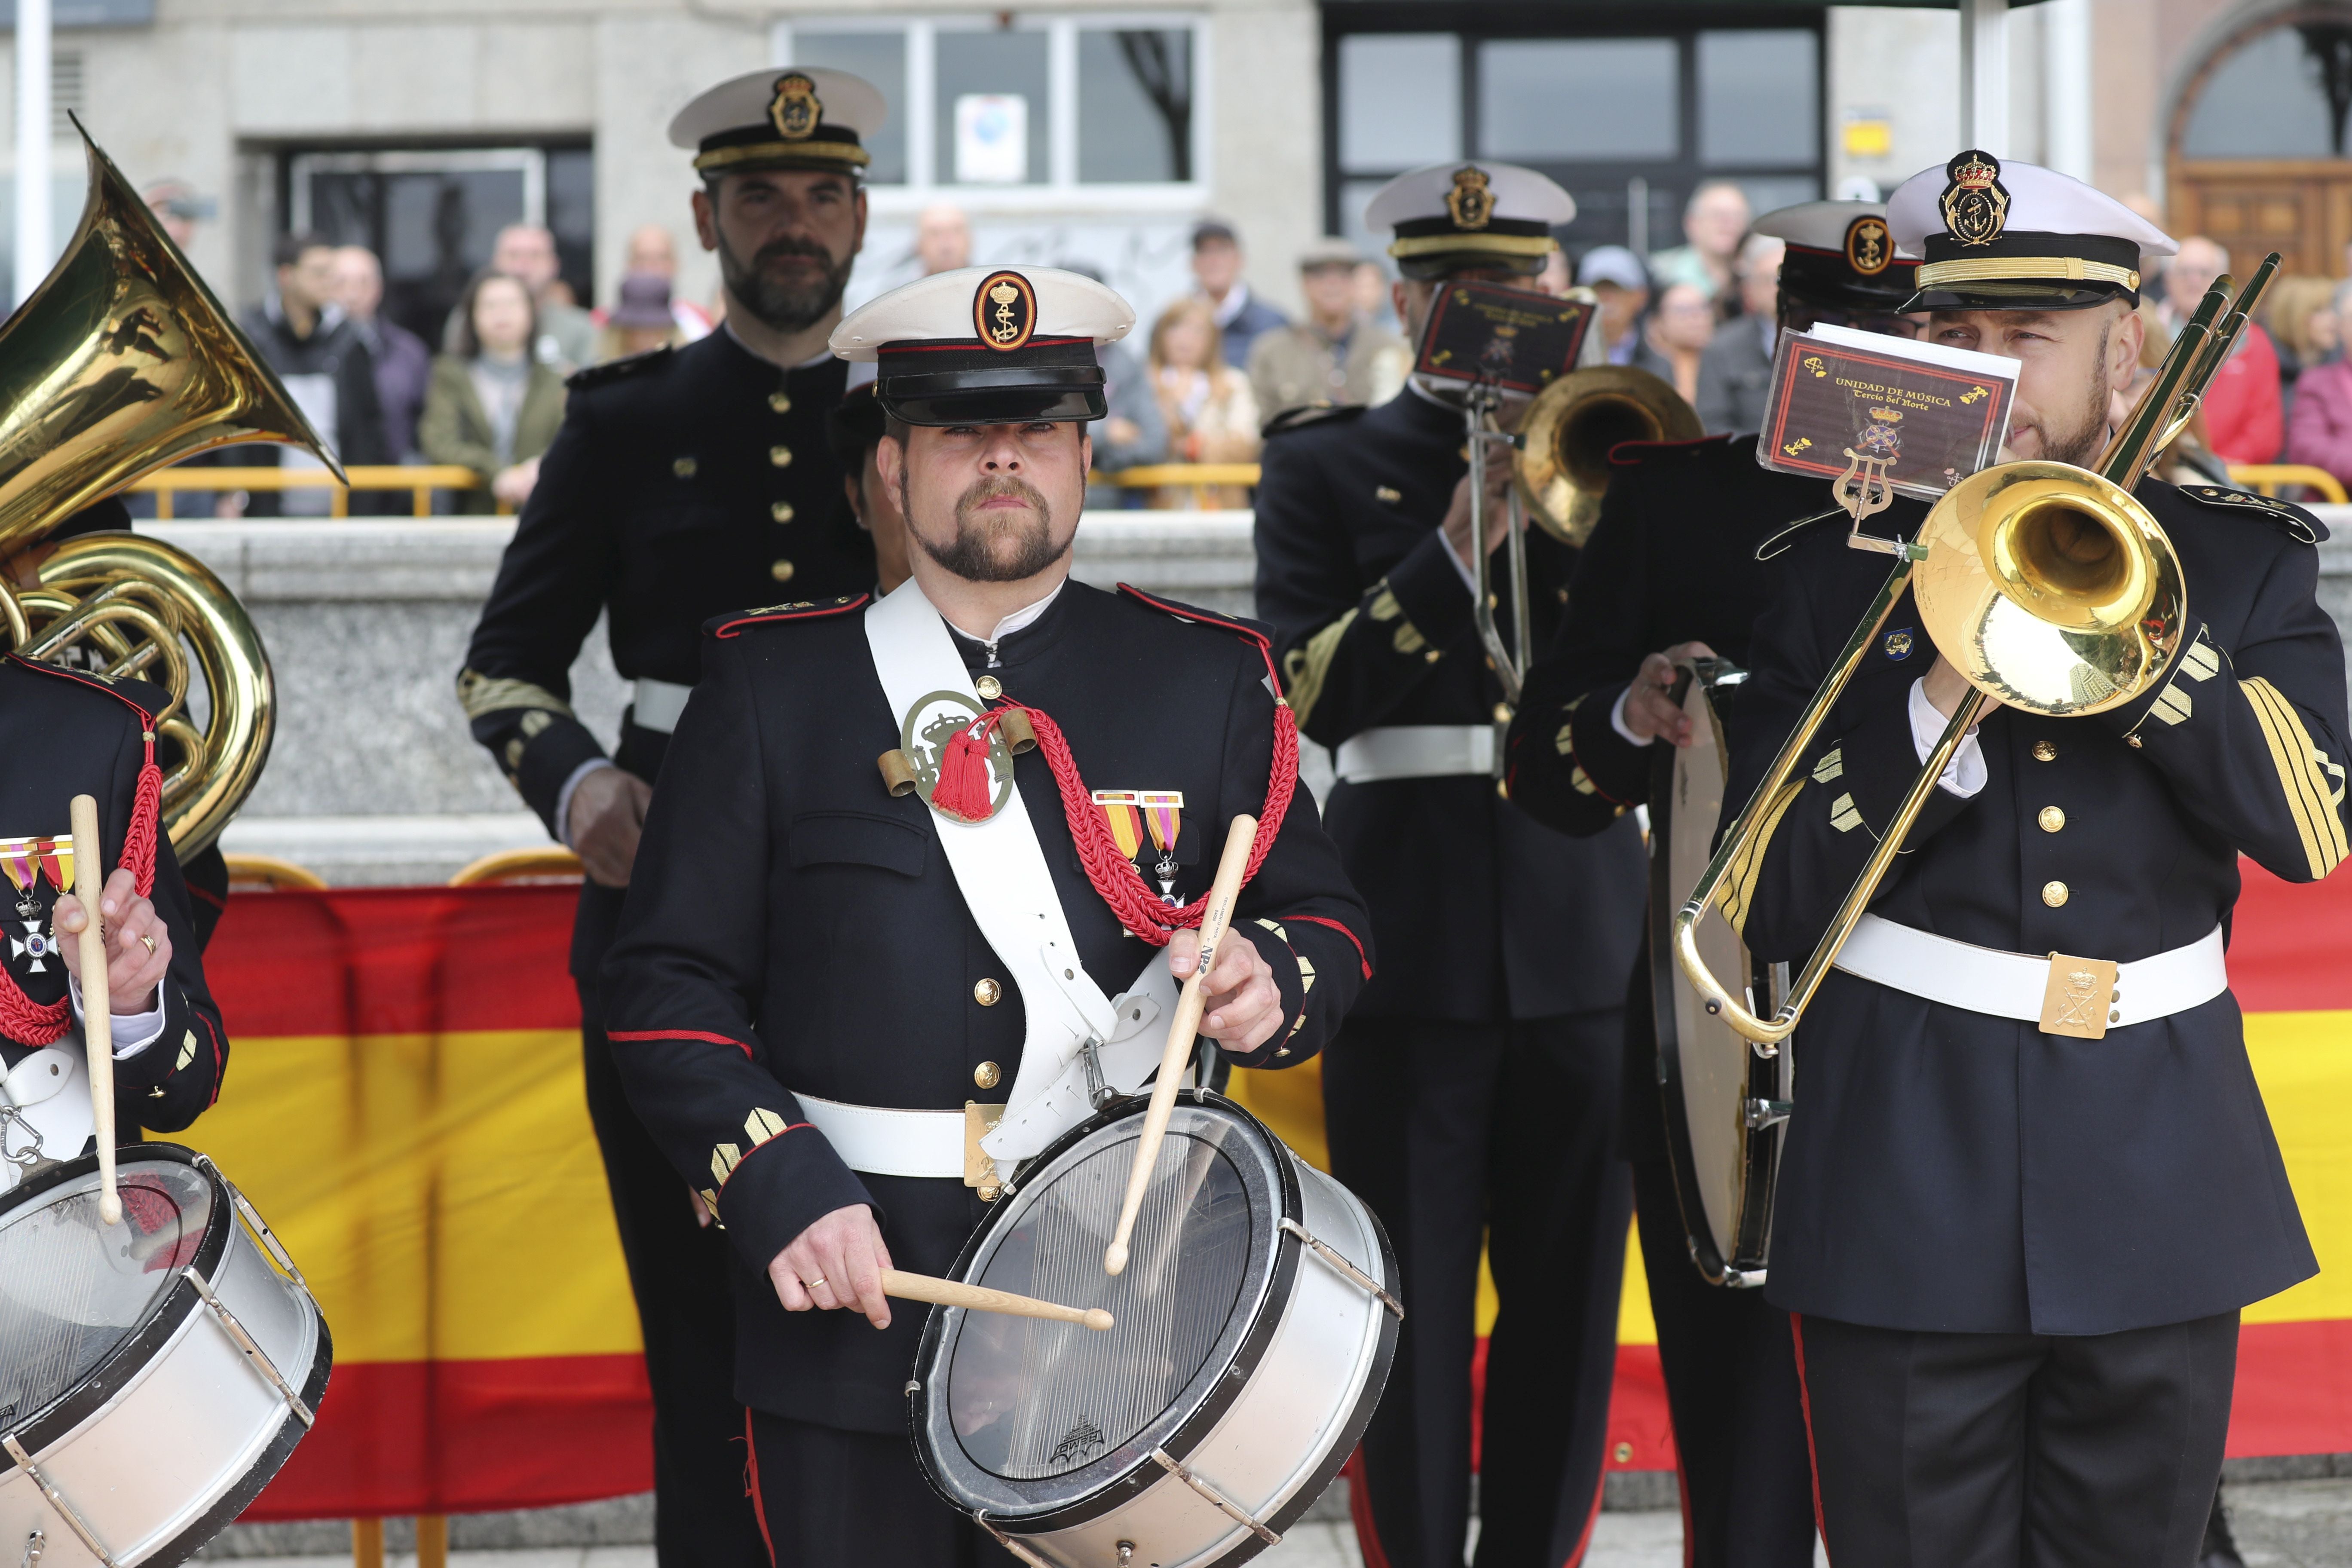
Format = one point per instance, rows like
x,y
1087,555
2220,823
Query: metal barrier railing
x,y
420,481
2266,479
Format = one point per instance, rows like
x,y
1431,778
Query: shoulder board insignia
x,y
1626,454
613,369
1290,419
733,624
144,699
1183,612
2288,516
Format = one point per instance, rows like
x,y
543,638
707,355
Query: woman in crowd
x,y
492,407
1211,416
2319,431
1677,335
644,320
2301,315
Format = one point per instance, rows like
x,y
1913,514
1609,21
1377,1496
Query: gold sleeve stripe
x,y
2301,775
1739,892
478,695
1305,669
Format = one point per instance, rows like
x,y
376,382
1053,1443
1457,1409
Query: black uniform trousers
x,y
829,1498
1452,1133
1945,1451
678,1273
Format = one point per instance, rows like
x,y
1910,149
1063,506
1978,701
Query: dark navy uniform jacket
x,y
63,734
1949,1170
1483,914
793,926
684,483
1671,560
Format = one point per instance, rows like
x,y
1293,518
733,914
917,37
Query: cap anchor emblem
x,y
1471,201
796,110
1004,310
1866,248
1974,203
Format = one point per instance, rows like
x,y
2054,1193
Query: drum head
x,y
1708,1071
74,1289
1022,1416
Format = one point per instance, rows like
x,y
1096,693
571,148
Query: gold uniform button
x,y
781,401
684,468
782,570
2051,818
1502,712
986,994
985,1075
782,511
988,687
2044,752
2053,893
781,457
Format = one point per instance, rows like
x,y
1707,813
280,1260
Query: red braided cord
x,y
1109,870
27,1022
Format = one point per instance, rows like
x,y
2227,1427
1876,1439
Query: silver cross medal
x,y
34,944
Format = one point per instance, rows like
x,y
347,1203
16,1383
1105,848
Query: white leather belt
x,y
657,704
882,1142
1417,751
2036,990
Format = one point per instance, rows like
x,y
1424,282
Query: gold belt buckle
x,y
979,1166
2076,999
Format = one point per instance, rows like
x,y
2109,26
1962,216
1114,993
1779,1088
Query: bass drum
x,y
1256,1321
154,1373
1725,1098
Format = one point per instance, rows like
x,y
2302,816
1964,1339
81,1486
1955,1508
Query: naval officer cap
x,y
983,346
792,119
1450,217
1840,256
2016,236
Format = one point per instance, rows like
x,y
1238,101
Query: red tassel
x,y
139,842
962,791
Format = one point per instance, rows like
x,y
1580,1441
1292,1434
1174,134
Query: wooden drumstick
x,y
98,1018
979,1299
1181,1031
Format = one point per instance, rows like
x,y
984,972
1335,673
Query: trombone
x,y
2048,586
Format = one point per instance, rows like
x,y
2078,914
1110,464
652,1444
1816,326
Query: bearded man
x,y
823,961
684,482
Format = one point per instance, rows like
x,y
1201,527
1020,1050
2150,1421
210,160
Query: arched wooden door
x,y
2257,144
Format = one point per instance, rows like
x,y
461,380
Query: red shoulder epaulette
x,y
724,628
95,683
1625,453
1183,612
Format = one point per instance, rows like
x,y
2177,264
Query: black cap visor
x,y
1014,395
2024,294
1825,278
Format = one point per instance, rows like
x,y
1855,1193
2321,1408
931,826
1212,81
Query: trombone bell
x,y
1562,468
2048,587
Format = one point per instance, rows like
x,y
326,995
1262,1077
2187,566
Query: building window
x,y
1629,115
2284,94
1103,111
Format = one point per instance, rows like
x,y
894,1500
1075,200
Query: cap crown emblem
x,y
1470,204
1867,249
1004,310
1974,203
796,108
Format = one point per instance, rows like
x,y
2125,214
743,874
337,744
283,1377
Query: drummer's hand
x,y
1243,1007
133,972
1498,512
845,1251
1650,710
1945,686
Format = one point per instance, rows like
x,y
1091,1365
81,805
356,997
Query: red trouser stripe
x,y
1812,1453
751,1486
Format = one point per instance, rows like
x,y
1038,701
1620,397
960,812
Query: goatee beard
x,y
979,553
784,307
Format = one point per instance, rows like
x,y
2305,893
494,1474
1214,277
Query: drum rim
x,y
1141,1476
138,1350
1751,1243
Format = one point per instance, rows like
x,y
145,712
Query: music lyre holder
x,y
1481,401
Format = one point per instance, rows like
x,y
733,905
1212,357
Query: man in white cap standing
x,y
816,968
684,481
1475,1091
2029,1181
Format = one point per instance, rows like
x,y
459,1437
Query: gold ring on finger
x,y
815,1284
151,945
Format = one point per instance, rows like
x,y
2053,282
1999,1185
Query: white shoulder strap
x,y
999,868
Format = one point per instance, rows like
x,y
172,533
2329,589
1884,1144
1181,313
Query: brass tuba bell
x,y
1562,465
121,363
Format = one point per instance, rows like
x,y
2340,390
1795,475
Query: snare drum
x,y
1725,1101
154,1373
1256,1321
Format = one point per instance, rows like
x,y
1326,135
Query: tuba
x,y
123,362
1562,464
2048,586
